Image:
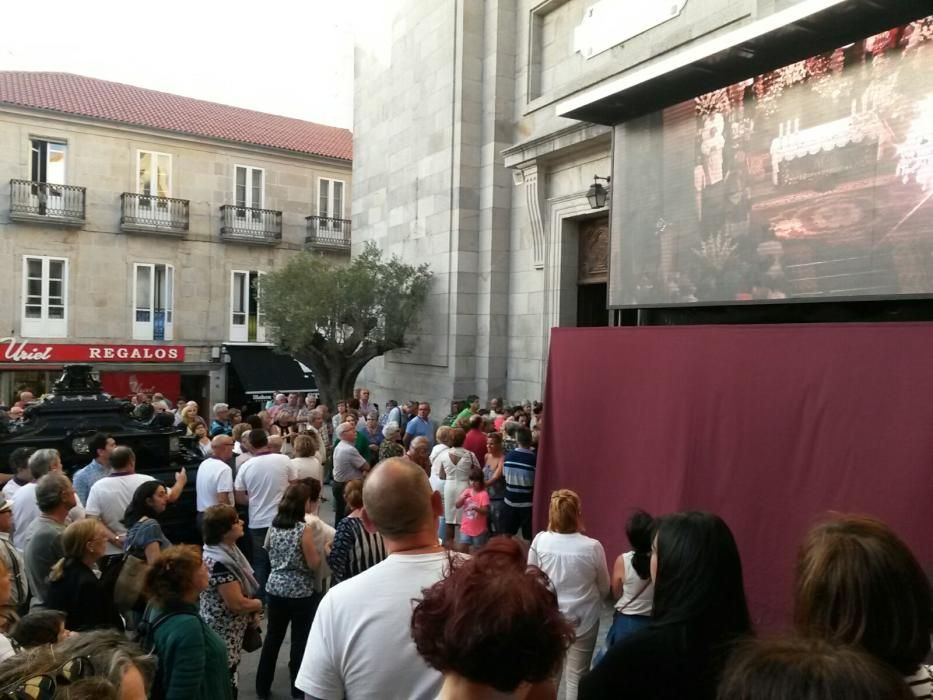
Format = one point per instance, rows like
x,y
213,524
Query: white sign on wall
x,y
609,23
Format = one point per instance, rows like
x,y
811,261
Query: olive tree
x,y
336,317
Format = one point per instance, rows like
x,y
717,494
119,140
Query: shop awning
x,y
262,370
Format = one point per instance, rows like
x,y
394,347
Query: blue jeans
x,y
260,562
622,626
475,540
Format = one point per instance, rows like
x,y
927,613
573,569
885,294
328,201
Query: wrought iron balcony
x,y
145,214
326,233
248,225
61,205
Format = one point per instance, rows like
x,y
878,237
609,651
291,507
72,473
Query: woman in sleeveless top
x,y
355,549
631,580
292,596
495,482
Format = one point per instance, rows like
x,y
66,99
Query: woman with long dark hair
x,y
700,613
291,592
144,536
631,580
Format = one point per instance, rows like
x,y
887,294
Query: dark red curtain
x,y
768,426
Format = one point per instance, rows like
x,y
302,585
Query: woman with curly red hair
x,y
492,624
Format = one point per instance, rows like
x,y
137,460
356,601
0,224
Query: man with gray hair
x,y
221,424
55,497
351,622
25,507
349,465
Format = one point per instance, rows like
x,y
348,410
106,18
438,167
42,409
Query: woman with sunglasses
x,y
102,664
74,587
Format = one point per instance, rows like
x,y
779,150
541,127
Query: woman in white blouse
x,y
576,566
454,466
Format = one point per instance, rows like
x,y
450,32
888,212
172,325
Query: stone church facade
x,y
479,128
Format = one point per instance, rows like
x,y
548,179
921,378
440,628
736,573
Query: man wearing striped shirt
x,y
519,473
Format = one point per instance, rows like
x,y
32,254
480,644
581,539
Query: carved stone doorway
x,y
593,273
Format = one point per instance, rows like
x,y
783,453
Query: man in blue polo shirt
x,y
519,472
420,426
101,446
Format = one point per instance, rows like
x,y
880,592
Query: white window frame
x,y
145,329
328,182
58,142
239,332
44,326
155,155
250,204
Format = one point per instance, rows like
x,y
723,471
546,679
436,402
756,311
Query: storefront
x,y
257,372
123,369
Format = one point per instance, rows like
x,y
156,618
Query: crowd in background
x,y
430,582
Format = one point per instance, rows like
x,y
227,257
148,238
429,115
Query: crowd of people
x,y
430,582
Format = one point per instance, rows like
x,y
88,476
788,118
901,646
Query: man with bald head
x,y
360,645
214,482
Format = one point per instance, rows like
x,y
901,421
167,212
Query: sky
x,y
293,58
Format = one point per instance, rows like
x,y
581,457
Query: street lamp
x,y
597,194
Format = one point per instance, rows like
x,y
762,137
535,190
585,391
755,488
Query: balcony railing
x,y
147,214
62,205
326,233
248,225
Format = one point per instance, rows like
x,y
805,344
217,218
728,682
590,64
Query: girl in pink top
x,y
474,530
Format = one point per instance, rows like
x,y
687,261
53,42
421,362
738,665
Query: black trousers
x,y
518,519
340,505
280,613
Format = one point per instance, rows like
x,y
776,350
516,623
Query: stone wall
x,y
462,162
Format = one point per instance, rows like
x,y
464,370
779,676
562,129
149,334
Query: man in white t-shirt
x,y
110,496
25,507
360,645
261,483
214,482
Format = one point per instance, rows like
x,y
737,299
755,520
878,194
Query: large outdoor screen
x,y
814,181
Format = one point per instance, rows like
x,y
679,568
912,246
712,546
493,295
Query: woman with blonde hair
x,y
576,566
74,587
305,461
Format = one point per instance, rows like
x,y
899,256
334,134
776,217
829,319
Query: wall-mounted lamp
x,y
215,354
597,194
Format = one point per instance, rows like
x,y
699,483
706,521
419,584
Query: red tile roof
x,y
101,99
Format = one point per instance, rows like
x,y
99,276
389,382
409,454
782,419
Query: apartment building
x,y
137,227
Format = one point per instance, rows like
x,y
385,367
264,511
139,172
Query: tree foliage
x,y
336,317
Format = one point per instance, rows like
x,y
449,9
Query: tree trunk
x,y
334,383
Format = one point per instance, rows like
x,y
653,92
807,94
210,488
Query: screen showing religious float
x,y
813,181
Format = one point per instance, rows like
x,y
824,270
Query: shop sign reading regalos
x,y
24,350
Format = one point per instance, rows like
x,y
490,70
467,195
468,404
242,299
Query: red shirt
x,y
475,442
